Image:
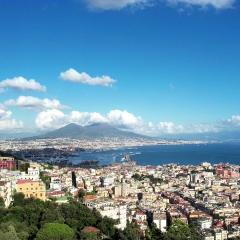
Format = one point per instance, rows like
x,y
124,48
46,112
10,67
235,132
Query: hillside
x,y
99,130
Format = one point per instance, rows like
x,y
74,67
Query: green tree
x,y
46,179
55,231
154,233
24,167
137,177
12,227
2,204
178,231
81,194
10,234
18,199
132,231
107,226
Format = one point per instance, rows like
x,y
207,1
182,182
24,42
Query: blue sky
x,y
156,66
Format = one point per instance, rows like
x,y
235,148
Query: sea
x,y
183,154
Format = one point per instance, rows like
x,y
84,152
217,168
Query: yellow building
x,y
30,188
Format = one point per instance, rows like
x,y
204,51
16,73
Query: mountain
x,y
98,130
222,136
9,136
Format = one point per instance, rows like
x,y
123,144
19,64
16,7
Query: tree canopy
x,y
55,231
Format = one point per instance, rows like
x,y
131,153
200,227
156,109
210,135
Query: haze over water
x,y
163,154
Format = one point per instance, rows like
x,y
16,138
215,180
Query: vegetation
x,y
56,231
154,233
2,204
33,219
46,179
181,231
28,219
24,167
132,232
151,178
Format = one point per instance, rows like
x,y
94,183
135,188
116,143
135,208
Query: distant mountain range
x,y
104,130
98,130
222,136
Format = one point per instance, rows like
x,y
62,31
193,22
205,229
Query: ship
x,y
126,160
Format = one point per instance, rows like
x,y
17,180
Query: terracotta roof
x,y
22,181
90,229
56,193
90,197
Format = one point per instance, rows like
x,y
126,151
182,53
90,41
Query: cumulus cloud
x,y
218,4
114,4
55,118
50,119
233,121
21,83
120,4
5,114
7,122
10,124
86,118
123,119
82,77
35,103
168,128
117,118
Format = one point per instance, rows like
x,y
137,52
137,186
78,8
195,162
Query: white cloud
x,y
231,123
50,119
120,4
168,128
6,122
35,103
86,118
54,118
74,76
218,4
123,119
21,83
4,113
10,124
114,4
234,120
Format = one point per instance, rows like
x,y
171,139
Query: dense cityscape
x,y
119,120
144,202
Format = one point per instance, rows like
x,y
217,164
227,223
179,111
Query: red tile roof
x,y
22,181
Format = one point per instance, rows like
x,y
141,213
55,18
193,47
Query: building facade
x,y
30,188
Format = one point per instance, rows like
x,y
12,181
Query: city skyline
x,y
153,67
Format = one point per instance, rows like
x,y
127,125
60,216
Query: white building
x,y
107,181
116,212
33,174
204,223
55,184
160,220
221,235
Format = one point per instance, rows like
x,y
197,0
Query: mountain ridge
x,y
93,131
